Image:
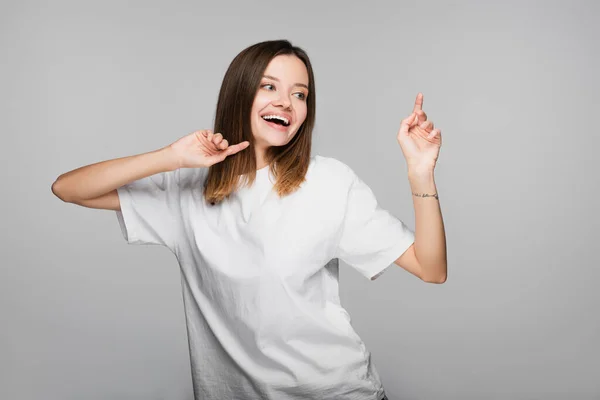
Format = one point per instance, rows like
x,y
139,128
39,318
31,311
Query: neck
x,y
260,158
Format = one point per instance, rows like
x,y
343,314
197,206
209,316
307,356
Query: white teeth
x,y
285,120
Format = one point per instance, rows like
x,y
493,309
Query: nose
x,y
283,101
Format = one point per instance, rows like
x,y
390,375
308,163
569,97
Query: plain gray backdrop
x,y
512,85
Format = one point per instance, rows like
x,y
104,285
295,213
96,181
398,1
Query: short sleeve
x,y
371,238
150,210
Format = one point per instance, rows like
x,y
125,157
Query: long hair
x,y
288,163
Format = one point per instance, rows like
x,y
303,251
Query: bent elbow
x,y
436,279
56,190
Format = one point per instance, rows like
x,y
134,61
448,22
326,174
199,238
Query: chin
x,y
276,139
272,142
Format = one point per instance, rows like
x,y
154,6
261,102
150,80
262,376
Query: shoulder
x,y
329,175
335,170
333,166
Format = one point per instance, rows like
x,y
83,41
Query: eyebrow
x,y
277,80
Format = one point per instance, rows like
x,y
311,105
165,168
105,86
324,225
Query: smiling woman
x,y
259,261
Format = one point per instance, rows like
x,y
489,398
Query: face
x,y
279,108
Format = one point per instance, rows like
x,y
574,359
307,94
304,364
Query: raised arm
x,y
96,185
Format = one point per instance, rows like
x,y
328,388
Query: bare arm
x,y
96,185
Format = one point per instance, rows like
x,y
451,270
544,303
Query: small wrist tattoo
x,y
427,195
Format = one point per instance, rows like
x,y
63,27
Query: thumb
x,y
408,123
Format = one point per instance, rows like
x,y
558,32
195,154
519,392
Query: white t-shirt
x,y
260,278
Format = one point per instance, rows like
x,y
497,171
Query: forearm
x,y
92,181
430,238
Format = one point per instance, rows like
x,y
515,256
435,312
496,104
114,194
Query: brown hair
x,y
288,163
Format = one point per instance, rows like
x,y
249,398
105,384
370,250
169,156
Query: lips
x,y
276,126
287,119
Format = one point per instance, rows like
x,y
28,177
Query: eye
x,y
267,86
301,95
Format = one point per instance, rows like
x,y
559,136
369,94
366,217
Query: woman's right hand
x,y
203,148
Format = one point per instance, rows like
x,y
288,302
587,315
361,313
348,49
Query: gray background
x,y
512,85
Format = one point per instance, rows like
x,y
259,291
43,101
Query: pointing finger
x,y
237,147
418,102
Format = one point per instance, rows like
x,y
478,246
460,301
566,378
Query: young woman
x,y
257,225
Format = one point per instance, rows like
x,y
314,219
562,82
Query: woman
x,y
257,226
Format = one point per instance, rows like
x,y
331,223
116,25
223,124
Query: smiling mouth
x,y
277,120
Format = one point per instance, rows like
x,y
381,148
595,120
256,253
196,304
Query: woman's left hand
x,y
419,141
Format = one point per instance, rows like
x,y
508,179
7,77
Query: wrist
x,y
422,183
169,158
420,172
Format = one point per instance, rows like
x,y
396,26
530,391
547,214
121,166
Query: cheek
x,y
257,106
260,101
301,113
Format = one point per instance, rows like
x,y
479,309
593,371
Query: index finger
x,y
237,147
418,102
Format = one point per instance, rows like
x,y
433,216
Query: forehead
x,y
288,68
